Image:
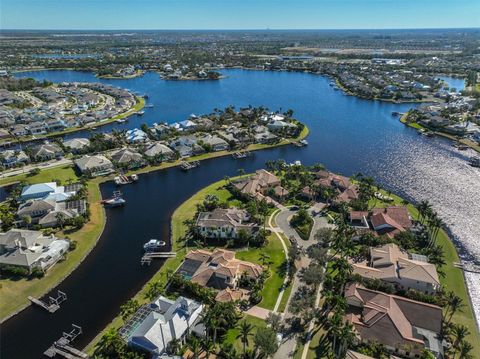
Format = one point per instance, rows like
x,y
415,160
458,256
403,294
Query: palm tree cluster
x,y
112,346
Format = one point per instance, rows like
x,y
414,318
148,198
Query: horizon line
x,y
255,29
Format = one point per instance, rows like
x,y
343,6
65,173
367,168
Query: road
x,y
41,166
289,342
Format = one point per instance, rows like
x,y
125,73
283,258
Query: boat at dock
x,y
460,146
115,201
120,121
474,162
140,113
122,179
238,155
149,106
189,165
153,245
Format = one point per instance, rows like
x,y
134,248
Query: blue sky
x,y
238,14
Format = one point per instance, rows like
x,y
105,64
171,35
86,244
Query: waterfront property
x,y
402,325
406,271
262,185
225,223
221,271
387,221
48,190
31,249
154,326
95,165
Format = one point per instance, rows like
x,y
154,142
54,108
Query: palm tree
x,y
460,332
454,303
195,347
227,351
154,289
264,258
424,208
208,347
245,332
130,307
60,217
464,350
109,342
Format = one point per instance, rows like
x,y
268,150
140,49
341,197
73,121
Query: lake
x,y
348,135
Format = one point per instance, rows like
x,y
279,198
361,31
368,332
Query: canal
x,y
348,135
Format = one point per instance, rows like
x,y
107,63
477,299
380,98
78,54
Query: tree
x,y
109,342
245,333
265,258
454,304
27,220
266,341
274,320
127,309
154,290
60,217
194,346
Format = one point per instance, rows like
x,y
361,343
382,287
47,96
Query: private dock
x,y
63,348
149,256
238,155
467,267
54,303
189,165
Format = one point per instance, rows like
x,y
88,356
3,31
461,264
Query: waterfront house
x,y
46,151
387,221
35,209
159,150
260,185
219,270
127,158
77,145
155,325
225,223
37,128
55,124
19,130
31,249
136,136
186,146
46,190
390,264
402,325
215,142
95,165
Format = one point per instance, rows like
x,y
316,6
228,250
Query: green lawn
x,y
14,293
231,336
62,173
274,283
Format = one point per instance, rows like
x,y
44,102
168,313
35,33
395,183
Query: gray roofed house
x,y
31,249
95,165
11,158
217,143
36,209
77,144
158,149
154,326
46,151
127,157
225,223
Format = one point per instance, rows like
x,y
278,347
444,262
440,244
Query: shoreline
x,y
176,232
96,182
139,105
417,126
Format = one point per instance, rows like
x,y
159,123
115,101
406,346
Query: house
x,y
186,146
45,190
344,189
154,326
215,142
159,150
402,325
95,165
36,209
11,158
265,137
55,124
392,265
136,135
262,184
280,125
77,145
127,158
219,270
355,355
225,223
390,220
31,249
46,151
37,128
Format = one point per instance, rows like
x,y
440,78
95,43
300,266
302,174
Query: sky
x,y
237,14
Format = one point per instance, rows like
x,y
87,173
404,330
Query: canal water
x,y
348,135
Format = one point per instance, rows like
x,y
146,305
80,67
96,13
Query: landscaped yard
x,y
231,336
62,173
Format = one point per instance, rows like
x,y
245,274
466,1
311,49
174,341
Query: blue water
x,y
347,134
456,83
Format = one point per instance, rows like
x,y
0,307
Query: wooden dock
x,y
189,165
54,302
149,256
63,348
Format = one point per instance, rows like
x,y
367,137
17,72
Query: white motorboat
x,y
153,244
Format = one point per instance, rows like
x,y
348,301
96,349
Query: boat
x,y
238,155
145,96
140,113
475,162
115,201
149,106
189,165
122,179
304,142
460,146
153,244
426,133
120,121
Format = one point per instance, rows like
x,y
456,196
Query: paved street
x,y
289,342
